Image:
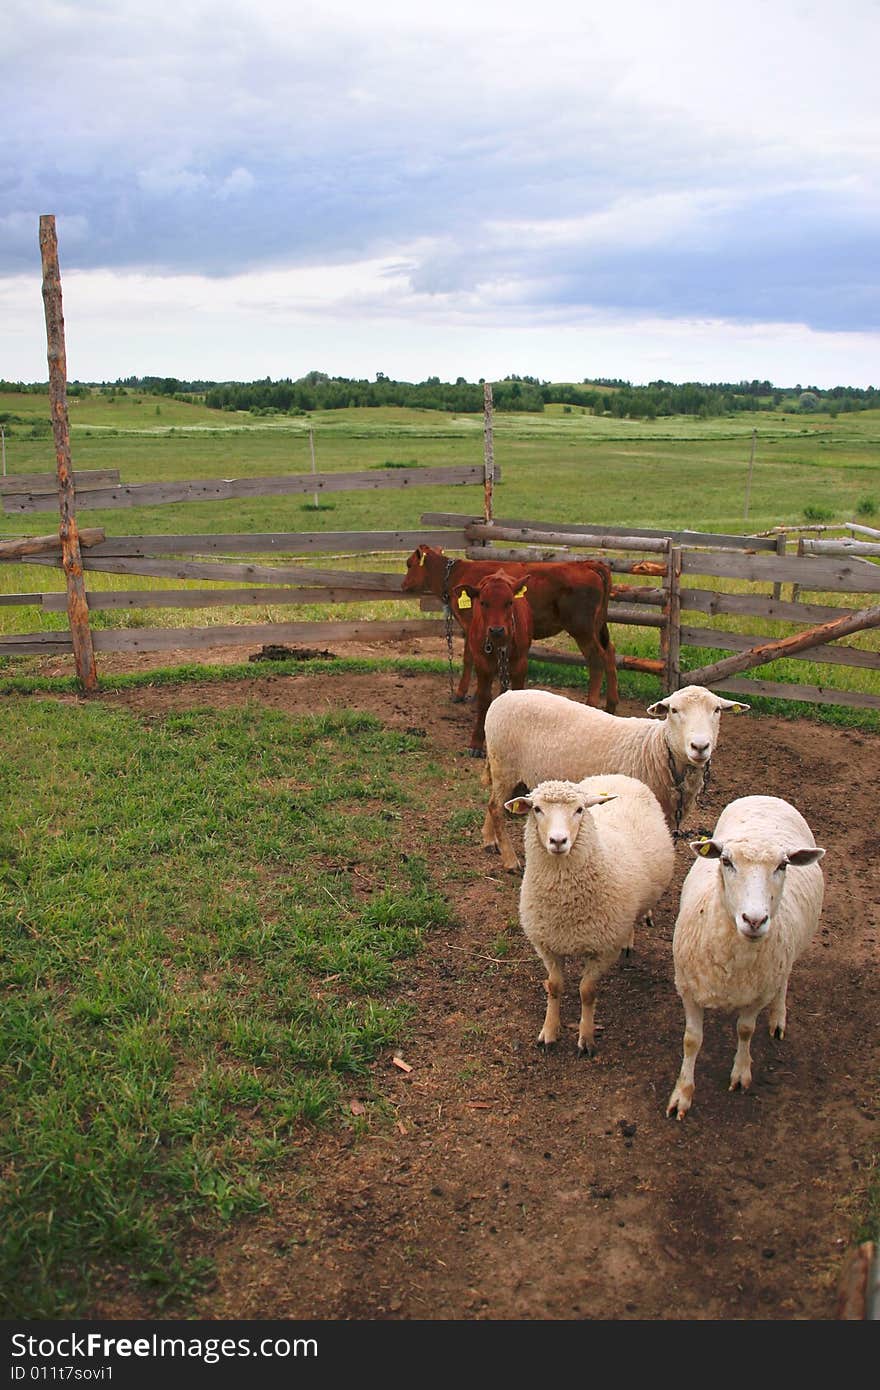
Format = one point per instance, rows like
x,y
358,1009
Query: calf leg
x,y
467,666
484,699
680,1100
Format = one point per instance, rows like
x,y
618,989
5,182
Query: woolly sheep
x,y
534,735
591,870
743,922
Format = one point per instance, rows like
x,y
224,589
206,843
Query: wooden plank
x,y
811,572
681,538
83,478
744,641
526,553
35,643
841,546
65,498
14,600
623,662
100,599
758,606
499,532
865,530
46,545
153,639
256,574
277,542
279,485
810,694
764,651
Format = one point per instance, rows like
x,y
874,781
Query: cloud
x,y
638,160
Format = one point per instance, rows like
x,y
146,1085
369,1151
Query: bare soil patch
x,y
513,1185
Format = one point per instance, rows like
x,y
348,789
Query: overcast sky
x,y
684,189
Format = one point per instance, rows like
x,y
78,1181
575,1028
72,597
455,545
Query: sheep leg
x,y
586,1032
778,1013
741,1076
549,1034
683,1094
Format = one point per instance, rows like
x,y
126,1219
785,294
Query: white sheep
x,y
534,735
743,922
591,870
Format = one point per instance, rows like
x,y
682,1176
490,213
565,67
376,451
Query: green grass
x,y
202,918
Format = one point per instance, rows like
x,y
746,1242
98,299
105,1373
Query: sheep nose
x,y
755,923
700,749
557,842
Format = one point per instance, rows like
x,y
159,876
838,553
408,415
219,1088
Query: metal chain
x,y
678,786
447,613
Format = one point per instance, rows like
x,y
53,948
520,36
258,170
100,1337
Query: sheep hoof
x,y
586,1049
476,752
491,849
778,1032
546,1046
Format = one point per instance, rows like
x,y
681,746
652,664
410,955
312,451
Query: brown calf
x,y
497,640
565,596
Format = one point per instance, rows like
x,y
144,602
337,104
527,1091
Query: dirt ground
x,y
518,1185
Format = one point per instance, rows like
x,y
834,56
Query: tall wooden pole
x,y
71,557
488,452
749,478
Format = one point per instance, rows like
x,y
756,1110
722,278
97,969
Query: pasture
x,y
555,466
270,1018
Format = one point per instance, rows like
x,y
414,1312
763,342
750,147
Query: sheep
x,y
533,735
598,855
742,924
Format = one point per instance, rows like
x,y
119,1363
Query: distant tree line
x,y
613,397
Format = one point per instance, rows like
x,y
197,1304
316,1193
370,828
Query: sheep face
x,y
693,716
752,879
557,810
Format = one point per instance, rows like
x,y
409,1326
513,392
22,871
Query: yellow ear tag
x,y
520,593
704,847
464,601
421,559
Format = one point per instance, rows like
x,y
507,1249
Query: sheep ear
x,y
735,706
800,857
599,798
519,806
659,706
706,848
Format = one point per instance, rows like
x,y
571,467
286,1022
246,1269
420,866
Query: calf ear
x,y
706,848
735,706
800,857
519,806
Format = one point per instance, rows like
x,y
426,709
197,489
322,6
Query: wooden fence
x,y
658,576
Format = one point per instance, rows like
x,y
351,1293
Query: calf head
x,y
416,580
493,603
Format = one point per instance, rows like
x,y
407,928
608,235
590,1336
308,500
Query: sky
x,y
676,189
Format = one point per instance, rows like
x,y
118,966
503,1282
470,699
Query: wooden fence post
x,y
796,588
488,452
670,632
77,605
780,550
749,476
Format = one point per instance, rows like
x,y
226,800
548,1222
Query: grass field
x,y
574,467
165,1037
